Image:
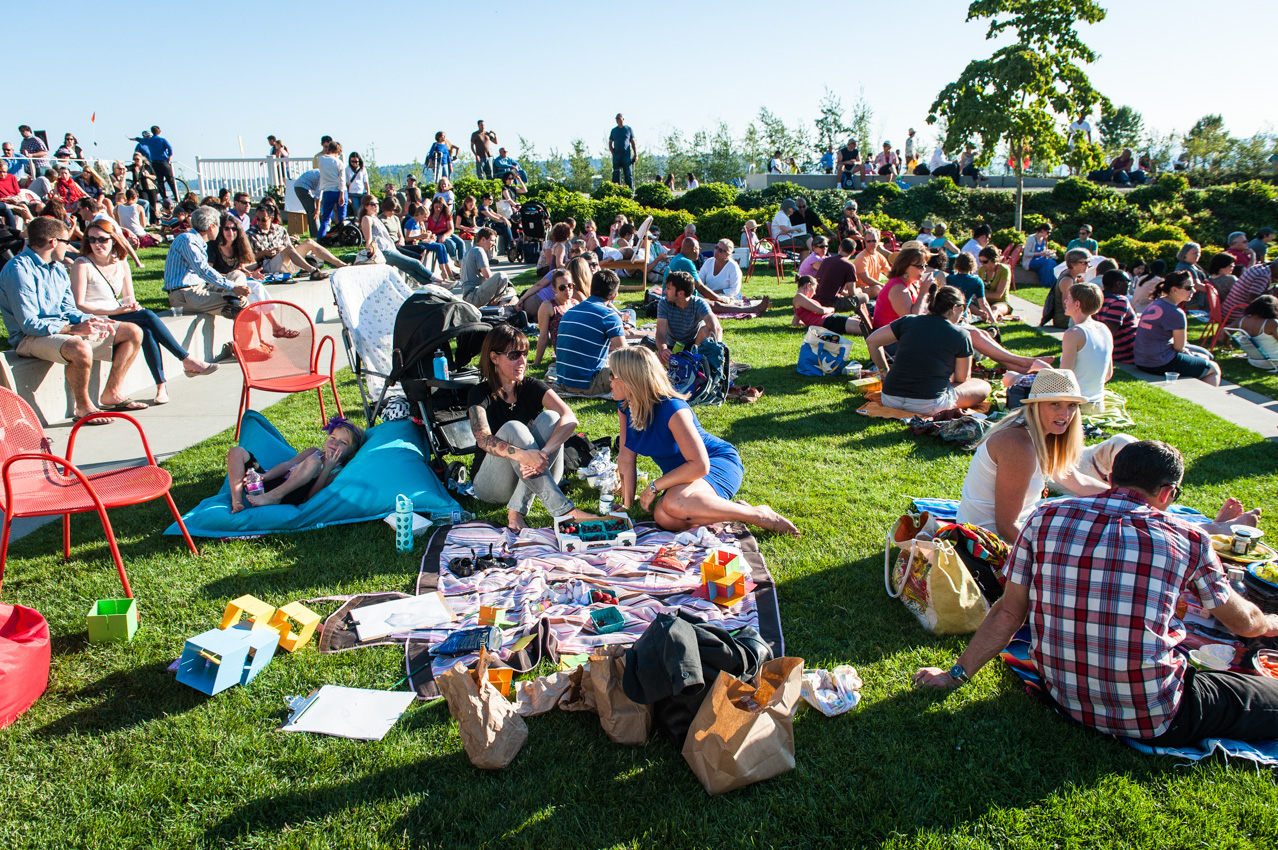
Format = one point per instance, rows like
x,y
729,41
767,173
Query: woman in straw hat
x,y
1042,440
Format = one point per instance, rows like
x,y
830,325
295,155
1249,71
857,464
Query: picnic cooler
x,y
24,660
823,353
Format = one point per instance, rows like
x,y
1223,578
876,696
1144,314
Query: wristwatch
x,y
652,487
958,674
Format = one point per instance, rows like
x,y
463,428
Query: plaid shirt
x,y
1105,574
274,238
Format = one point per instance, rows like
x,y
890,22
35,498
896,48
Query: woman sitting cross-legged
x,y
808,312
932,368
520,427
700,473
298,479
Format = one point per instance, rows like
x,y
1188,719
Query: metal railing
x,y
253,175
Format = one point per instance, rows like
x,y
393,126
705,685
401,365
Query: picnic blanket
x,y
1017,659
946,510
545,622
392,461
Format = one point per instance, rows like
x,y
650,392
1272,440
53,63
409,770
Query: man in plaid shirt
x,y
1098,579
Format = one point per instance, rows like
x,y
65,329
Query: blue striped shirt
x,y
581,349
188,264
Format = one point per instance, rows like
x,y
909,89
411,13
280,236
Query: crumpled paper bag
x,y
744,733
624,721
491,729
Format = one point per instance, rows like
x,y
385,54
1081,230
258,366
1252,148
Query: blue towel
x,y
946,510
392,461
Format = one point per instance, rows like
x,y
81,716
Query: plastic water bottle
x,y
607,493
403,524
253,483
439,366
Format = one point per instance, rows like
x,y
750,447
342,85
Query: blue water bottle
x,y
403,524
439,365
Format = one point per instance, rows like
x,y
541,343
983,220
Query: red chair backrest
x,y
20,428
264,355
1012,254
1213,303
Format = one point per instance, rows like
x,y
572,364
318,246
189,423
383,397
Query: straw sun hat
x,y
1055,385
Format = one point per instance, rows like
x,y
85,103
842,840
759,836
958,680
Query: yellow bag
x,y
933,582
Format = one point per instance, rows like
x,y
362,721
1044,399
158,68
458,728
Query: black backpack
x,y
344,236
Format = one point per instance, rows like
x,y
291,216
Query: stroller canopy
x,y
426,323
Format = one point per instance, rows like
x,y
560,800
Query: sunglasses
x,y
98,240
1176,493
985,262
63,241
228,227
918,265
514,355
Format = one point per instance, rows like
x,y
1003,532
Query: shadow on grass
x,y
1225,465
124,699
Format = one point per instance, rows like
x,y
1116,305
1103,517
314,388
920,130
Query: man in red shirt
x,y
1099,579
836,279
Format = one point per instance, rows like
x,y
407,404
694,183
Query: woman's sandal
x,y
285,333
209,369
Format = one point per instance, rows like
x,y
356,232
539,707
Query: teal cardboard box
x,y
113,620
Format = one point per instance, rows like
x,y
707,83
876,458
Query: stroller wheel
x,y
458,472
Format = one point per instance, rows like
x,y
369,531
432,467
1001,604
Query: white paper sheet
x,y
408,614
358,713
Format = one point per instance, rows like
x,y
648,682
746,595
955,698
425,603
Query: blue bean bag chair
x,y
392,461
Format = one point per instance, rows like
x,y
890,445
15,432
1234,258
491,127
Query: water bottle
x,y
253,483
403,524
439,366
607,493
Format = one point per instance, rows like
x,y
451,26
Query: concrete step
x,y
42,385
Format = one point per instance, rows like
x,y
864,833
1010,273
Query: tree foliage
x,y
1121,128
1044,25
831,130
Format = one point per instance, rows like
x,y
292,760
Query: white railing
x,y
253,175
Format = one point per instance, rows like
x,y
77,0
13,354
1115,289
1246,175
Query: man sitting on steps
x,y
189,280
274,249
42,321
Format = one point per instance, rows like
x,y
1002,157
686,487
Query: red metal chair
x,y
763,249
888,240
1214,317
38,483
1234,314
274,342
1011,257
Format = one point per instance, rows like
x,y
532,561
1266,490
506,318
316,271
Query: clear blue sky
x,y
393,73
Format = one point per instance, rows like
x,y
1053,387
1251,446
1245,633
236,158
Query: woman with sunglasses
x,y
1160,347
231,254
103,286
380,248
997,278
439,220
357,185
550,312
520,427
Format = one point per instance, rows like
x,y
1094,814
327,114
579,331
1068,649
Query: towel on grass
x,y
391,461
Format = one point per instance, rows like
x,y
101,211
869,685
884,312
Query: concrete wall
x,y
830,181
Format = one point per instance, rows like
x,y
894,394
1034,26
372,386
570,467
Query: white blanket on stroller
x,y
368,300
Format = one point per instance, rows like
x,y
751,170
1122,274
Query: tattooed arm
x,y
485,440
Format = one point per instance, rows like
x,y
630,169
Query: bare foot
x,y
763,306
236,506
258,500
515,521
578,513
773,521
1231,509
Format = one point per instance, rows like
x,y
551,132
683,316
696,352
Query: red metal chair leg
x,y
336,401
4,545
66,537
244,403
115,552
319,391
168,497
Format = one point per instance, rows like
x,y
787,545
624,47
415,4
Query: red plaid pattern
x,y
1105,574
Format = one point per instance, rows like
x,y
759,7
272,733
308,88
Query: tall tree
x,y
1017,96
859,120
1208,143
831,130
1121,128
581,167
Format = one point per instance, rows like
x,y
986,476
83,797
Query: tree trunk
x,y
1020,190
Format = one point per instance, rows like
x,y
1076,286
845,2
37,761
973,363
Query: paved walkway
x,y
1242,407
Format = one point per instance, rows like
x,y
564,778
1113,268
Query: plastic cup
x,y
177,311
1168,377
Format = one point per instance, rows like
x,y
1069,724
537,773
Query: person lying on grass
x,y
298,479
1111,664
700,473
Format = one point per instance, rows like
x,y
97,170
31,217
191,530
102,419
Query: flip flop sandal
x,y
125,406
209,369
85,420
285,333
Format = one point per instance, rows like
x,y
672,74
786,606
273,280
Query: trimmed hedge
x,y
711,196
606,189
654,195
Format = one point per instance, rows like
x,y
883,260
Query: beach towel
x,y
392,461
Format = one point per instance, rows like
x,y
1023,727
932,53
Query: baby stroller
x,y
534,224
428,324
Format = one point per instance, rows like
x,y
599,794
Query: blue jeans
x,y
1045,268
622,167
484,167
410,266
330,210
503,230
455,245
420,248
154,335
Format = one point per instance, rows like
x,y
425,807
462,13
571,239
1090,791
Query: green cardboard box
x,y
113,620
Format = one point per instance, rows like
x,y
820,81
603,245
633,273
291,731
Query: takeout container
x,y
1212,656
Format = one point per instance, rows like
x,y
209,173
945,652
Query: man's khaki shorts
x,y
50,347
278,264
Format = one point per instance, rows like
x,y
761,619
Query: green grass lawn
x,y
118,754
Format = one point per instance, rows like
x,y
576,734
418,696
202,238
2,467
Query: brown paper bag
x,y
624,721
743,733
491,730
578,696
541,694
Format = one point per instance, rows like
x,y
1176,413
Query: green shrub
x,y
723,223
1168,187
607,210
1108,215
1127,250
710,196
751,199
670,222
1007,236
902,230
877,195
654,195
781,191
1160,232
606,189
1072,192
464,186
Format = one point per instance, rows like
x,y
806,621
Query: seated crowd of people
x,y
928,309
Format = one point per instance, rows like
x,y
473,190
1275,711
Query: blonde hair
x,y
726,245
579,273
647,383
1056,453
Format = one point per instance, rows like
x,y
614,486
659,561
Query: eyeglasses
x,y
871,242
985,261
563,288
717,248
228,226
514,355
63,241
98,240
1176,493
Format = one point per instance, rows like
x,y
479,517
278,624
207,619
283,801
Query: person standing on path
x,y
161,154
625,153
481,145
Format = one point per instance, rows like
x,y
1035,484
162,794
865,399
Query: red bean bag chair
x,y
24,660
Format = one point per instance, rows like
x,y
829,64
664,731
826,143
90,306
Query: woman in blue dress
x,y
700,473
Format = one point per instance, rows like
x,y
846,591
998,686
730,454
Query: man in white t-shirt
x,y
980,238
786,234
1079,128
